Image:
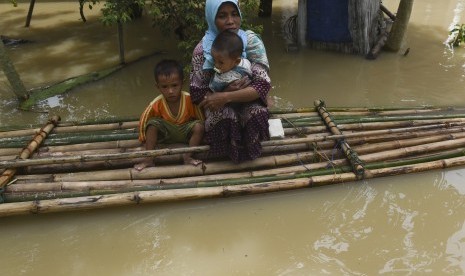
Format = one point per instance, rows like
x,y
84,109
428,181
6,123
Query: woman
x,y
237,121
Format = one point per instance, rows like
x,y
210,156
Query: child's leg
x,y
196,138
151,135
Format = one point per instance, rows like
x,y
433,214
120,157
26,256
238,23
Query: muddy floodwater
x,y
402,225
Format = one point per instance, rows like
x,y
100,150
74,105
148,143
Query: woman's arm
x,y
247,91
215,101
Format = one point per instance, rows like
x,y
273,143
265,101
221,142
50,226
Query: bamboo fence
x,y
87,165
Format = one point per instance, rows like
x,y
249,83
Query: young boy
x,y
171,117
229,65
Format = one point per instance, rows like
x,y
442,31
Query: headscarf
x,y
211,9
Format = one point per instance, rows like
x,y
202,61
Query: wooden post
x,y
302,23
399,27
29,13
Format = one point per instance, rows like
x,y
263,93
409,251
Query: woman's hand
x,y
214,101
238,84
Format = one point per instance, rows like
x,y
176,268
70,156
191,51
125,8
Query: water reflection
x,y
455,252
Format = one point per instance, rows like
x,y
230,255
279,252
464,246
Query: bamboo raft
x,y
79,166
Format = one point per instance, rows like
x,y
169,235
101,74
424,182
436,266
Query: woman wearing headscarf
x,y
237,121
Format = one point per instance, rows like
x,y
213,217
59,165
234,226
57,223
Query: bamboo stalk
x,y
9,151
273,111
127,123
363,149
112,200
155,153
351,155
295,130
72,129
342,114
159,160
355,109
300,129
270,161
16,192
367,119
79,139
8,174
403,135
413,150
364,134
186,170
97,145
407,142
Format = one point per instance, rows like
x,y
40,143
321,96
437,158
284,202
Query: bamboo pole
x,y
263,162
64,128
413,150
125,123
29,149
421,120
159,160
362,113
160,152
300,129
407,142
297,126
351,155
378,149
124,144
364,134
22,192
362,145
158,196
78,139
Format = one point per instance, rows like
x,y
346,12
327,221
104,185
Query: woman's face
x,y
228,18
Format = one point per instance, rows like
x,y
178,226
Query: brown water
x,y
405,225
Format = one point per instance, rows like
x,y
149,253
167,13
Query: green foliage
x,y
186,19
115,11
121,10
14,2
457,35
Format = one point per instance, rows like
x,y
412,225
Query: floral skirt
x,y
237,130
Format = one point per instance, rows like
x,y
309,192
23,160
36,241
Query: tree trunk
x,y
15,81
29,13
121,43
396,36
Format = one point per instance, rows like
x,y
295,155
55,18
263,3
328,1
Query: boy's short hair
x,y
230,42
167,67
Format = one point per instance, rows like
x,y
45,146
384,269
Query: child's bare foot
x,y
144,164
191,161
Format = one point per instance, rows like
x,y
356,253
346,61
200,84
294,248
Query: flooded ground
x,y
406,225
